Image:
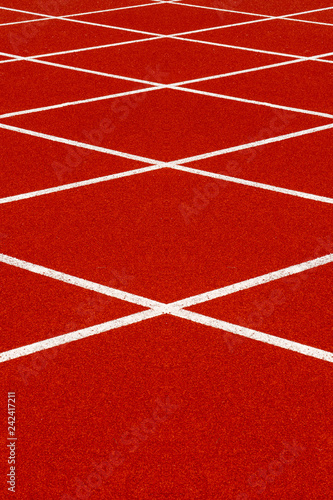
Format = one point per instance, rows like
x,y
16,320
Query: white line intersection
x,y
155,308
174,309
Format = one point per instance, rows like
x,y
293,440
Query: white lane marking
x,y
262,18
219,9
108,26
257,68
158,35
219,27
74,103
262,15
86,49
205,30
310,22
240,47
257,103
82,70
111,10
252,282
23,22
256,335
45,16
251,144
77,335
48,17
259,185
233,73
76,143
74,280
173,165
157,308
73,185
8,60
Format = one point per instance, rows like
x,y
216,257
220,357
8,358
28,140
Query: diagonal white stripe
x,y
252,282
94,47
251,144
83,70
73,185
258,103
174,165
259,185
157,308
74,103
76,143
77,335
240,47
310,22
73,280
256,335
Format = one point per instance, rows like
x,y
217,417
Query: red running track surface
x,y
166,249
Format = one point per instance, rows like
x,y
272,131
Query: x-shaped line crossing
x,y
155,308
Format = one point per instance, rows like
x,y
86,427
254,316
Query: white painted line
x,y
310,22
251,145
173,165
84,145
264,18
240,47
83,70
233,73
73,280
73,185
259,185
249,283
108,26
306,12
68,17
156,309
74,103
111,10
256,335
178,87
258,103
261,15
77,335
294,57
86,49
99,73
155,35
219,27
23,22
8,60
218,9
45,16
48,17
258,68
